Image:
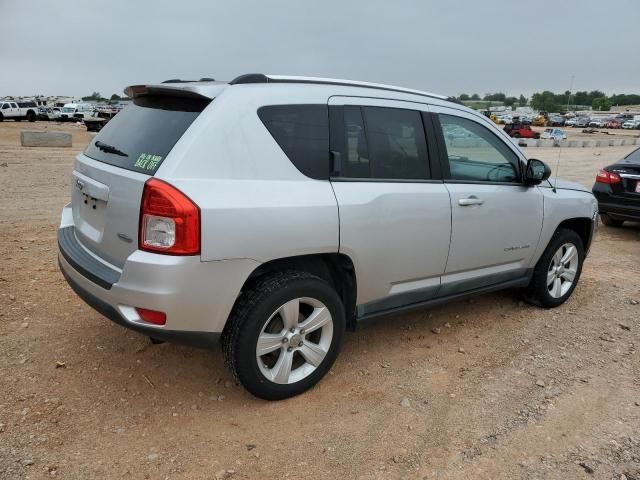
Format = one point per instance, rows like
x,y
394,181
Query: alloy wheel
x,y
294,340
562,270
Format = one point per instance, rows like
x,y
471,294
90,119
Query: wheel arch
x,y
583,226
335,268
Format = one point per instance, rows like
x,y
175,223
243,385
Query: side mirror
x,y
537,172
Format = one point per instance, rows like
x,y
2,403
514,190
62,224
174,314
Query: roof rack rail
x,y
262,78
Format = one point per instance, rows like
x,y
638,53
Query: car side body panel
x,y
567,201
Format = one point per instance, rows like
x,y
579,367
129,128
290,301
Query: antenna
x,y
555,184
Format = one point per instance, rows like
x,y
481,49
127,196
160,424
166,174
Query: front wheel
x,y
557,272
284,334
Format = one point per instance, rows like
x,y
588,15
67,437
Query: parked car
x,y
75,112
554,133
631,124
612,123
520,130
243,219
43,113
11,110
582,122
570,122
596,122
617,189
556,120
99,119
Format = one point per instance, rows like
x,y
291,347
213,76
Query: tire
x,y
536,136
1,117
544,280
257,313
610,222
31,117
516,135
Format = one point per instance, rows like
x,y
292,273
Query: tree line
x,y
97,97
556,102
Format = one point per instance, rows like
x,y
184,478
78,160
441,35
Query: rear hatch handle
x,y
90,187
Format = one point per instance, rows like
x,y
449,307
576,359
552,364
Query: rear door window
x,y
384,143
302,132
141,136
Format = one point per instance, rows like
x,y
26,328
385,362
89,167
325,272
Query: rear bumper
x,y
195,339
196,296
619,210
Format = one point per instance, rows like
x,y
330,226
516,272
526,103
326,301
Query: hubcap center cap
x,y
295,340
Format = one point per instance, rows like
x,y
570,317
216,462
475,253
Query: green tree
x,y
115,96
601,103
510,101
522,100
463,97
546,101
475,96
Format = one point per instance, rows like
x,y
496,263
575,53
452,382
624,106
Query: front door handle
x,y
472,200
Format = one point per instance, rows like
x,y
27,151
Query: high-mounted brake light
x,y
134,90
607,177
169,220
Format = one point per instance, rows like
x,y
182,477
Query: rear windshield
x,y
142,134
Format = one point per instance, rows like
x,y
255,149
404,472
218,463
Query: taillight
x,y
169,220
607,177
152,316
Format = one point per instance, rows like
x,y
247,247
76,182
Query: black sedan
x,y
617,189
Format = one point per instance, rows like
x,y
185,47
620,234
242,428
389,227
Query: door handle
x,y
471,200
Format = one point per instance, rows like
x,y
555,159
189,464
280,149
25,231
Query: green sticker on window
x,y
147,161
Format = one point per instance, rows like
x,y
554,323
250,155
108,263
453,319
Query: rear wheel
x,y
31,116
610,222
558,270
284,334
516,135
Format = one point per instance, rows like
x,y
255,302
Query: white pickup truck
x,y
18,110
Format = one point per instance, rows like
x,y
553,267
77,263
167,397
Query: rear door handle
x,y
472,200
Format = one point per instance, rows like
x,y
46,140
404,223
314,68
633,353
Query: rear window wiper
x,y
109,149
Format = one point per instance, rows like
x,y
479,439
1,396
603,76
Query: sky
x,y
76,47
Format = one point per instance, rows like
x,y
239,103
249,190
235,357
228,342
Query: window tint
x,y
384,143
476,154
142,135
5,106
302,131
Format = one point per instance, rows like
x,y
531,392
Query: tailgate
x,y
106,207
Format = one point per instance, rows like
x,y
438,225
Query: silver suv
x,y
277,212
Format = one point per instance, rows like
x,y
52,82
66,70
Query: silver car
x,y
274,213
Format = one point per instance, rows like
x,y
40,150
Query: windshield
x,y
142,134
68,110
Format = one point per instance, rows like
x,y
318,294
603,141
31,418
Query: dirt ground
x,y
487,388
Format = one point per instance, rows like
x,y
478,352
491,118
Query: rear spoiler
x,y
134,91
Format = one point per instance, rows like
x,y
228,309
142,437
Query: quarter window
x,y
384,143
476,154
302,131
